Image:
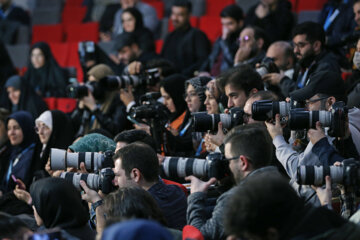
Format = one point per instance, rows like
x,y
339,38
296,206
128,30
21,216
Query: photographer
x,y
248,150
100,108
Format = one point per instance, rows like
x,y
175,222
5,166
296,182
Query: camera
x,y
86,51
150,108
213,166
78,91
267,65
102,181
202,122
60,159
264,110
335,119
348,174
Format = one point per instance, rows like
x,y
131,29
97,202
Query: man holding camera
x,y
249,151
137,165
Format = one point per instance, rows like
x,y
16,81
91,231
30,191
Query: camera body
x,y
179,167
150,108
267,65
203,122
102,181
348,174
60,159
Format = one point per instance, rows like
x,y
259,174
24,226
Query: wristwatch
x,y
96,204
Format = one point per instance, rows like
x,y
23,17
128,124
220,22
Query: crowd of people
x,y
249,137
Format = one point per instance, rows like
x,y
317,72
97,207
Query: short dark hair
x,y
125,39
313,31
232,11
11,227
167,67
141,156
254,208
253,141
131,202
135,135
265,95
244,78
183,3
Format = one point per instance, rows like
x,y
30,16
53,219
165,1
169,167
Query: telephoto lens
x,y
116,82
299,119
60,159
264,110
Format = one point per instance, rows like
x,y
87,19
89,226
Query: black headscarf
x,y
26,122
174,86
58,203
49,80
6,66
29,100
62,136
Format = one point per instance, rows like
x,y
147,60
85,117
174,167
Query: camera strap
x,y
183,131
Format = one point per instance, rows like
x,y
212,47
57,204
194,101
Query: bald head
x,y
282,53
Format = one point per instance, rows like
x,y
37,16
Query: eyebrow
x,y
233,94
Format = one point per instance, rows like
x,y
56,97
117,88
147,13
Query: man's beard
x,y
307,59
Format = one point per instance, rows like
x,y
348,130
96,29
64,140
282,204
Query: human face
x,y
179,17
38,219
233,164
15,133
236,98
316,103
192,99
126,55
14,95
212,107
43,131
168,101
229,24
247,38
121,180
128,22
37,58
120,145
302,47
277,53
356,9
127,3
358,46
248,111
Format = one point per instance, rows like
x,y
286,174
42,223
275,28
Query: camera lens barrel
x,y
92,180
263,110
178,167
203,122
315,175
299,119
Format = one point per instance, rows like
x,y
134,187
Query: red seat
x,y
73,2
82,32
74,61
50,102
169,182
194,21
66,105
214,7
294,5
48,33
60,52
310,5
211,25
73,14
159,7
191,232
158,45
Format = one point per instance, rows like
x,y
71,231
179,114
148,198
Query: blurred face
x,y
179,16
15,133
302,47
37,58
168,101
248,111
43,131
127,3
236,98
277,53
192,99
122,180
128,22
316,103
229,24
233,164
212,106
14,95
356,9
126,55
120,145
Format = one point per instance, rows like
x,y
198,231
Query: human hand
x,y
324,194
274,130
142,126
242,54
273,78
83,168
210,147
20,184
160,158
126,95
217,139
89,101
89,195
134,68
199,186
317,134
225,32
22,195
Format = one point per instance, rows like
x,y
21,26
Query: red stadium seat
x,y
73,14
74,2
158,45
50,102
194,21
48,33
60,52
82,32
211,25
310,5
66,105
214,7
294,5
159,7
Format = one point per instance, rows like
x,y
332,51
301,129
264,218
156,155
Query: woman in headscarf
x,y
101,108
20,96
54,130
132,21
44,74
20,130
212,100
57,203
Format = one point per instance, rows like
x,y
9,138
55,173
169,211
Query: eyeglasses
x,y
244,39
300,44
229,159
314,100
190,94
39,128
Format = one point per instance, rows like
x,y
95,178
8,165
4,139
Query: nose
x,y
230,103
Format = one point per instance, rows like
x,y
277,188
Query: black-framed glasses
x,y
315,100
229,159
